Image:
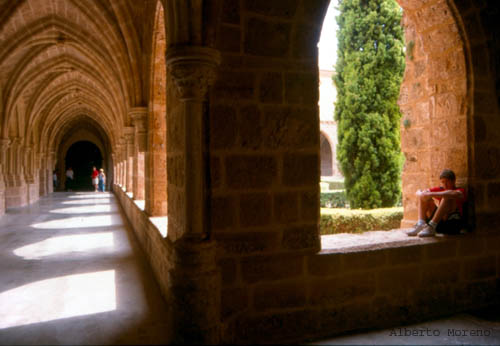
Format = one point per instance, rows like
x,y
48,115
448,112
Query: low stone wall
x,y
291,297
157,249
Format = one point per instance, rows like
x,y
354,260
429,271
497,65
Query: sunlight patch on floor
x,y
81,222
88,209
61,297
93,195
65,245
88,201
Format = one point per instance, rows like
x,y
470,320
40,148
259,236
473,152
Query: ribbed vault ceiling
x,y
71,63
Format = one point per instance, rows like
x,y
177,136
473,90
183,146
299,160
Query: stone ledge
x,y
376,240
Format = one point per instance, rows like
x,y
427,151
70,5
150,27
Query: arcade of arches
x,y
208,111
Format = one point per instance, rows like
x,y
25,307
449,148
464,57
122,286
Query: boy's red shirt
x,y
460,201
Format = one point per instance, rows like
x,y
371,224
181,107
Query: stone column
x,y
29,173
195,281
51,159
4,144
139,117
129,157
16,193
43,172
119,163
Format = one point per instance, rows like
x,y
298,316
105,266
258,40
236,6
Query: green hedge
x,y
333,199
358,221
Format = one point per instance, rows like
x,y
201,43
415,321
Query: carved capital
x,y
193,69
128,134
139,117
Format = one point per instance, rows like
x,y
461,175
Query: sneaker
x,y
427,232
416,229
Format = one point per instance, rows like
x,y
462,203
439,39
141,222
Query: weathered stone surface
x,y
234,300
441,273
480,268
300,169
244,243
286,207
470,246
324,265
407,254
223,212
250,171
235,85
279,295
222,123
301,88
271,88
255,209
441,250
229,39
355,261
285,9
309,206
271,267
399,279
301,237
336,291
278,32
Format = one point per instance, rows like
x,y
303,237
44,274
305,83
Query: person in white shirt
x,y
69,179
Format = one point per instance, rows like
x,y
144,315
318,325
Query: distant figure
x,y
69,178
440,208
102,180
95,179
54,180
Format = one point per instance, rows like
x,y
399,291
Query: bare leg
x,y
425,207
444,209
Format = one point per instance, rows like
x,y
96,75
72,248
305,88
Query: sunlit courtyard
x,y
73,274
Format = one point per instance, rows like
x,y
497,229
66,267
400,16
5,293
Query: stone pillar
x,y
51,159
42,176
16,192
119,163
4,144
139,117
129,157
29,173
195,281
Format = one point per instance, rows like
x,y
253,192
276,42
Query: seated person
x,y
442,206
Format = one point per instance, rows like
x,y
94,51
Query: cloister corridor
x,y
73,273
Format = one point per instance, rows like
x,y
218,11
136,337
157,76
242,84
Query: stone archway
x,y
326,156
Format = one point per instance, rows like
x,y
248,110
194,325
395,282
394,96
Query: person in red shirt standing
x,y
441,206
95,178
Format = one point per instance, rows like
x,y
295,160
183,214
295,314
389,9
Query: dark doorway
x,y
82,156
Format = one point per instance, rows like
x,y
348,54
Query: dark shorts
x,y
452,225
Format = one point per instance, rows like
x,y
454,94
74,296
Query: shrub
x,y
333,199
334,221
369,71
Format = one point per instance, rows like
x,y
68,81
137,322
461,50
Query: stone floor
x,y
72,273
480,327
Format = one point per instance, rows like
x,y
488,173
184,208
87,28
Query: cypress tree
x,y
369,71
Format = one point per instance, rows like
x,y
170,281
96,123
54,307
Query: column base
x,y
195,290
16,196
33,193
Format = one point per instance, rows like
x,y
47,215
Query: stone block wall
x,y
264,155
290,297
433,101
